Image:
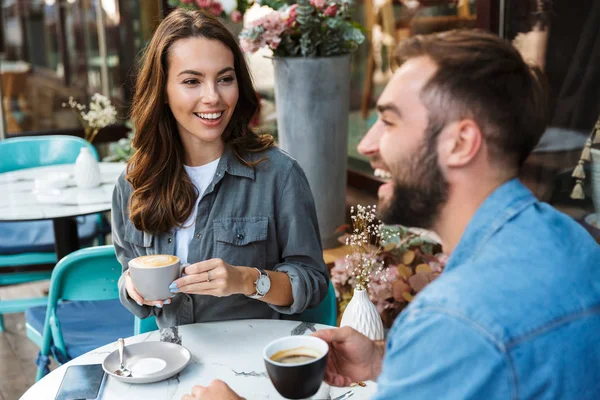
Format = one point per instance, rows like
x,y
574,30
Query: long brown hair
x,y
163,195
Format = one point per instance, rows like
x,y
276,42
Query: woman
x,y
204,187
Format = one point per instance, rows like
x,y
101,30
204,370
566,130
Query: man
x,y
516,313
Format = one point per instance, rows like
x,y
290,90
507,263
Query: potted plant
x,y
412,258
230,11
312,41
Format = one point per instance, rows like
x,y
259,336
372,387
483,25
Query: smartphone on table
x,y
82,382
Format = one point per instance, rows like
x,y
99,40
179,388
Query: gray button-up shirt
x,y
260,217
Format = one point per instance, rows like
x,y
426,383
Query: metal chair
x,y
83,311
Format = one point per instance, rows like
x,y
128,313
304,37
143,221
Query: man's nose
x,y
369,145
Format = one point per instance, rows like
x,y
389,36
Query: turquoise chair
x,y
325,313
83,310
29,152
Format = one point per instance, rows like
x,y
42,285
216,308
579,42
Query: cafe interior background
x,y
51,50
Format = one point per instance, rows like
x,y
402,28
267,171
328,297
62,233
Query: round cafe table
x,y
21,202
230,351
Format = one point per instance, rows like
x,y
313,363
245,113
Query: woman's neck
x,y
203,153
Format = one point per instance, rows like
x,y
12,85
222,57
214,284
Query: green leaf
x,y
274,4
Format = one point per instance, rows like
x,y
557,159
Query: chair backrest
x,y
37,151
325,313
87,274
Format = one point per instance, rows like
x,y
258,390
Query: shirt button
x,y
198,235
169,240
240,236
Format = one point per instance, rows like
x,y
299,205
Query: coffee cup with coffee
x,y
152,275
296,365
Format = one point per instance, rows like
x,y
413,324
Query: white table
x,y
230,351
20,202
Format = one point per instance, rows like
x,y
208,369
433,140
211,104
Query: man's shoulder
x,y
510,292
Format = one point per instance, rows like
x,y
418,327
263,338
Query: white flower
x,y
101,113
229,6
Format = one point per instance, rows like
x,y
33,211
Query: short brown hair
x,y
483,77
163,195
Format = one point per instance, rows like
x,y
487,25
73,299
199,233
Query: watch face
x,y
263,285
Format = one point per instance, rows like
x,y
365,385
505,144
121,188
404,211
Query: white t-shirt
x,y
201,177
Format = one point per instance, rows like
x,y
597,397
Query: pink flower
x,y
331,11
318,4
248,45
292,15
236,16
203,3
216,9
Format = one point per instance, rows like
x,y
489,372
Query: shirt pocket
x,y
241,241
140,240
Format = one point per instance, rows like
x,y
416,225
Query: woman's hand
x,y
133,293
215,277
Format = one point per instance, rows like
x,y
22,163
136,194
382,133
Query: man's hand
x,y
352,357
217,390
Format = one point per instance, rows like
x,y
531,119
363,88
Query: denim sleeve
x,y
124,251
433,355
300,243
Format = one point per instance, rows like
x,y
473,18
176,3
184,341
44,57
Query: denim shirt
x,y
261,217
515,314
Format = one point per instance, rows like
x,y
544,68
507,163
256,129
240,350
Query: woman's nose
x,y
210,95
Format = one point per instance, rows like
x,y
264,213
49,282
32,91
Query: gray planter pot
x,y
312,98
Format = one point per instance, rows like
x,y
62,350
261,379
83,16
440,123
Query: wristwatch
x,y
262,284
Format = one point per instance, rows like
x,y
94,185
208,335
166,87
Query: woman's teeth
x,y
209,116
383,174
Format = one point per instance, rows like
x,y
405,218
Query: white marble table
x,y
230,351
19,201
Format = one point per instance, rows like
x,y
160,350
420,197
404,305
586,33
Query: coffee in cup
x,y
295,356
296,365
152,275
154,261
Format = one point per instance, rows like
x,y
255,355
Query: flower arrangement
x,y
101,114
364,240
309,28
413,260
232,9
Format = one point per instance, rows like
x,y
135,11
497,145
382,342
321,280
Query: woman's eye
x,y
227,79
190,82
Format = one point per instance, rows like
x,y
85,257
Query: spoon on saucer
x,y
122,371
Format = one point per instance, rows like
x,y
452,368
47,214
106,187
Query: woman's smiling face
x,y
202,89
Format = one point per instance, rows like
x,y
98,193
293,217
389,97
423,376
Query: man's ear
x,y
460,143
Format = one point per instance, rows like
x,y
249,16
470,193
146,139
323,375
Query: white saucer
x,y
148,361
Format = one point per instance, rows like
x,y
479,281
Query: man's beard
x,y
420,189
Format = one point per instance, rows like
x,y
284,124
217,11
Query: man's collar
x,y
507,201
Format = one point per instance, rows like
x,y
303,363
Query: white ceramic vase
x,y
87,172
361,314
